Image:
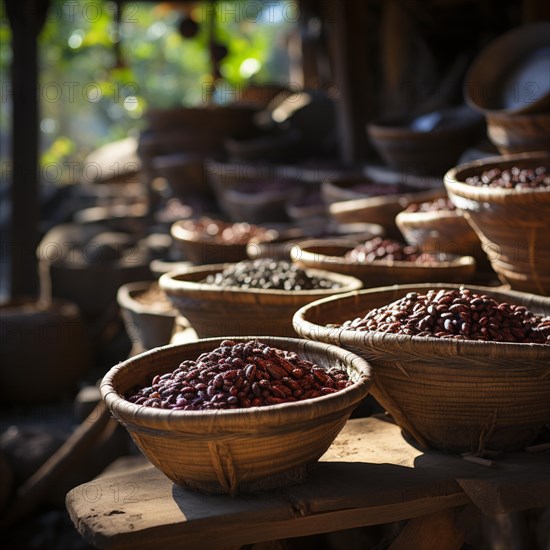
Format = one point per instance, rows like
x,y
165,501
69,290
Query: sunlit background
x,y
101,70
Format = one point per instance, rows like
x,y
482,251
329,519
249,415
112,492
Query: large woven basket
x,y
239,450
513,226
215,311
448,394
328,255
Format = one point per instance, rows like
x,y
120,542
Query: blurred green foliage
x,y
91,95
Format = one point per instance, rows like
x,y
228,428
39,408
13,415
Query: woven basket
x,y
381,210
445,231
432,152
346,189
513,226
258,207
240,450
448,394
224,175
328,255
147,325
202,251
45,350
513,134
510,75
281,247
184,172
217,311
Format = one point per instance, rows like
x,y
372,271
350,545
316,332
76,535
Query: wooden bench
x,y
370,475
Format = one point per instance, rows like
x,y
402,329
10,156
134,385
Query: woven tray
x,y
448,394
513,226
328,255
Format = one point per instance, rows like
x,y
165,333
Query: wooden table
x,y
370,475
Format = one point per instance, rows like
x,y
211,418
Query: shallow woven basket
x,y
328,255
216,311
448,394
381,210
239,450
445,231
513,226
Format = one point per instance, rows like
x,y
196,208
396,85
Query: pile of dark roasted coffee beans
x,y
240,375
387,250
268,275
513,178
437,205
228,233
460,314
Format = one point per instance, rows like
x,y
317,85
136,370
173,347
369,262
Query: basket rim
x,y
427,216
172,285
413,344
148,416
455,185
183,235
402,199
126,299
307,256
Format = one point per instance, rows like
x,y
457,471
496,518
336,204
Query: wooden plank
x,y
367,477
370,475
520,481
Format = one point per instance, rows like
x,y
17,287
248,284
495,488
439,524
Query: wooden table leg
x,y
437,530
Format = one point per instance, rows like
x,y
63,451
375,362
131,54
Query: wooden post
x,y
350,69
26,18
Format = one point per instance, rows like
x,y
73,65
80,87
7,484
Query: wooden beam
x,y
351,67
26,18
